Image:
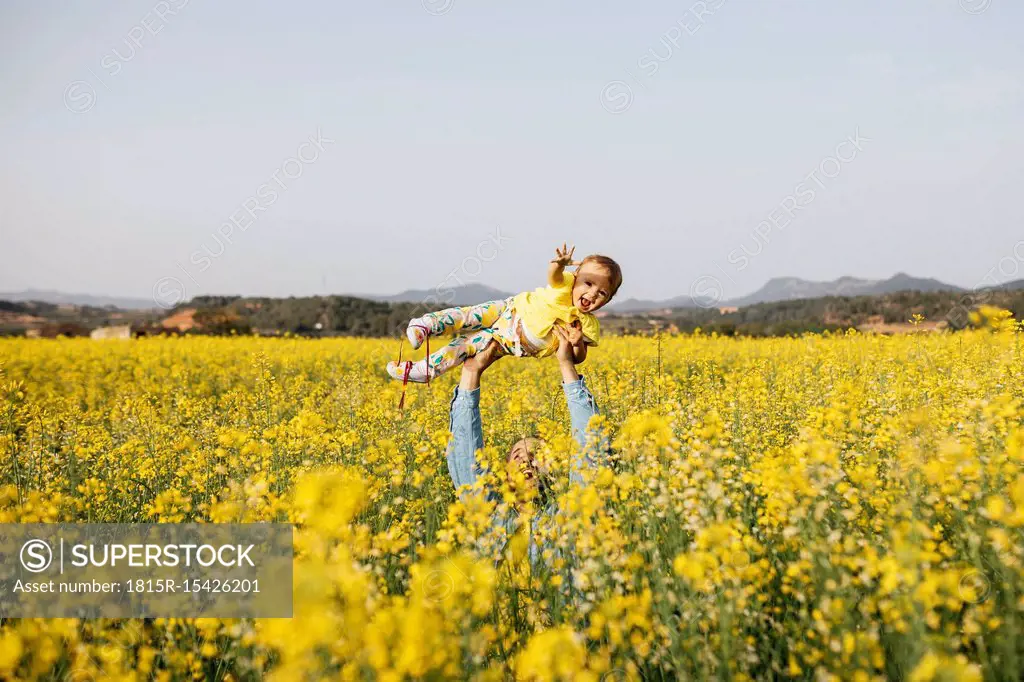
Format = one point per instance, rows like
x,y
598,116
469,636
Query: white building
x,y
121,331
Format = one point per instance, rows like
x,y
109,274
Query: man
x,y
467,429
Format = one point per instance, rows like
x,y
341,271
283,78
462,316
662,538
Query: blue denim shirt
x,y
467,437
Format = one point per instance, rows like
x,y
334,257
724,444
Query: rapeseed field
x,y
839,507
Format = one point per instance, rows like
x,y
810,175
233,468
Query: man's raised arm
x,y
582,407
464,421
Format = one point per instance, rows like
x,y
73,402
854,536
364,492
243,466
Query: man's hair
x,y
608,264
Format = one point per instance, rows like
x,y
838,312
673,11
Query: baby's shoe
x,y
417,371
417,332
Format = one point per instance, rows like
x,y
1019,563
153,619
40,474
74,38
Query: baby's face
x,y
593,287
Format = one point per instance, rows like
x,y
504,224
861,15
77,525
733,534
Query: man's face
x,y
522,456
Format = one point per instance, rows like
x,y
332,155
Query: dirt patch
x,y
182,320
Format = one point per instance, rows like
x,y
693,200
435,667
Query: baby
x,y
521,325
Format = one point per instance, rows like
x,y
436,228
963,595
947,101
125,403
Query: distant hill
x,y
351,316
884,313
904,282
640,305
61,298
777,289
467,294
1015,285
793,288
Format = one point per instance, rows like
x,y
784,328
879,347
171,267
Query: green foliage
x,y
351,316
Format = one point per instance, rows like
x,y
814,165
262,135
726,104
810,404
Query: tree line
x,y
352,316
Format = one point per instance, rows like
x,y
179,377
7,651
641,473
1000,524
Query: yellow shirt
x,y
543,308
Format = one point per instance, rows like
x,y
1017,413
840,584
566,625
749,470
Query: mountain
x,y
777,289
61,298
444,296
639,305
791,288
1009,286
901,281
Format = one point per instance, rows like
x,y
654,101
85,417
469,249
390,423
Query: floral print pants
x,y
484,322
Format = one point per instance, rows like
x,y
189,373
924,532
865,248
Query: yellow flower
x,y
11,650
551,655
937,667
792,505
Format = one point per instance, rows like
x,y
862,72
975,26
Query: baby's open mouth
x,y
584,303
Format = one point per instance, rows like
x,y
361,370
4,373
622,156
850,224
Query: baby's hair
x,y
610,265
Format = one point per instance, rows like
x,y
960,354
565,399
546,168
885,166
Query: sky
x,y
182,147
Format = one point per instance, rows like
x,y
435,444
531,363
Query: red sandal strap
x,y
405,382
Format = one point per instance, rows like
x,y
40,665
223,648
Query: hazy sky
x,y
463,140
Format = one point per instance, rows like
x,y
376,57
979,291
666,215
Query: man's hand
x,y
564,352
472,368
563,256
485,358
575,333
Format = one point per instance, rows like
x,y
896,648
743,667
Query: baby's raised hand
x,y
563,256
